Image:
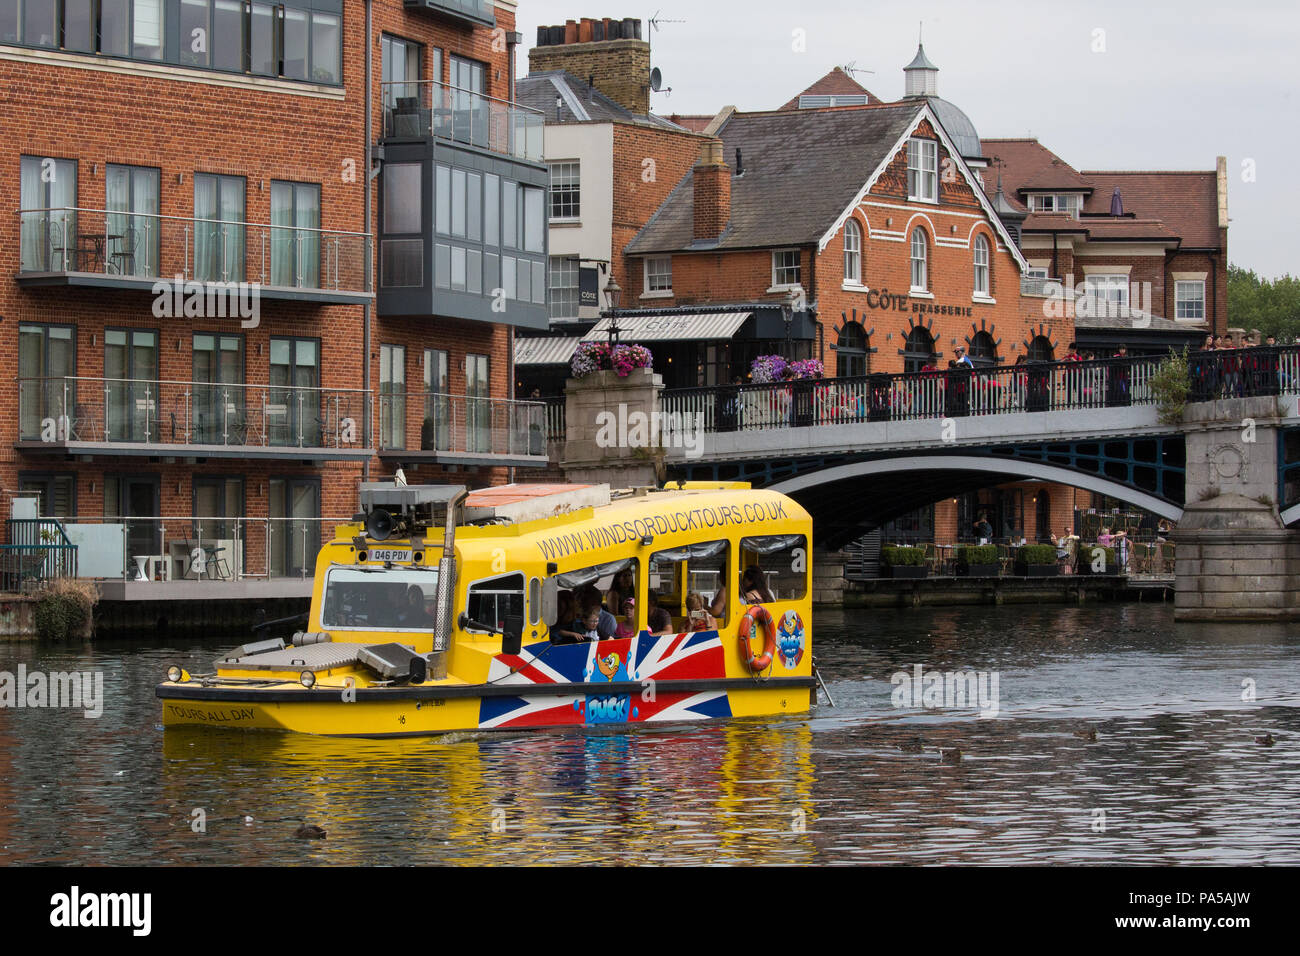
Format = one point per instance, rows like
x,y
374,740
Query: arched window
x,y
1040,349
852,252
920,274
983,350
919,351
851,351
981,266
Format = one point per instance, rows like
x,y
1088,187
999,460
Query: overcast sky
x,y
1176,85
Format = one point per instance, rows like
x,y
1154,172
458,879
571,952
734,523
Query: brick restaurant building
x,y
226,142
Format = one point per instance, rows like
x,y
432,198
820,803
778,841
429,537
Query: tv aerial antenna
x,y
852,68
657,77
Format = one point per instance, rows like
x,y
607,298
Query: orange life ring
x,y
757,615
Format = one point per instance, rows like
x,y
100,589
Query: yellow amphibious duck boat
x,y
439,610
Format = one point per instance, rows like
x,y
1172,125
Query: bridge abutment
x,y
613,428
1236,561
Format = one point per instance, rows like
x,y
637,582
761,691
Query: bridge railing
x,y
962,392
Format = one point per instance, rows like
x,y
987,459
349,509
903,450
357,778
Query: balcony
x,y
480,12
232,265
456,430
135,417
429,110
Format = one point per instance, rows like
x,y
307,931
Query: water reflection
x,y
1173,776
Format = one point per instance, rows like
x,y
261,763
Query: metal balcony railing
x,y
457,424
150,246
418,109
151,412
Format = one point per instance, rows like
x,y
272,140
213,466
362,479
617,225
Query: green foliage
x,y
1272,306
1171,384
903,557
1088,554
977,554
65,608
1037,554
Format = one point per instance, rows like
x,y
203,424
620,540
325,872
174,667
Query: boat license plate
x,y
390,554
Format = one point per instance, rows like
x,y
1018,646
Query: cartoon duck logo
x,y
608,665
789,640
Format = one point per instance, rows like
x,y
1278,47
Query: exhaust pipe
x,y
446,592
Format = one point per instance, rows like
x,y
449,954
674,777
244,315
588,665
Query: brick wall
x,y
618,68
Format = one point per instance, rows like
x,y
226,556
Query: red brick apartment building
x,y
197,314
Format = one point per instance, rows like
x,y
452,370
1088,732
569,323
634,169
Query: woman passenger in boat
x,y
661,623
624,587
627,626
753,590
698,616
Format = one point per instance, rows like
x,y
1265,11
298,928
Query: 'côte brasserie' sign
x,y
896,302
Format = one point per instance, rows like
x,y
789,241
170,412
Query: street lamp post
x,y
615,296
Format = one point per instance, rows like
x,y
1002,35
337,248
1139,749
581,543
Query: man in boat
x,y
753,590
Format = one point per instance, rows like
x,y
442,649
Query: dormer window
x,y
1057,202
923,170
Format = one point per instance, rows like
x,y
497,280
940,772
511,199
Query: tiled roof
x,y
835,83
790,194
579,101
696,124
1186,202
1102,227
1027,164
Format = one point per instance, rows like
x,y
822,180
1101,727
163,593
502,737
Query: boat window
x,y
782,560
535,601
612,582
492,599
689,569
600,575
398,599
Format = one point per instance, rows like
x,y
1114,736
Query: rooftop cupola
x,y
921,77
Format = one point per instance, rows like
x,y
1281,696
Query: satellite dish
x,y
656,80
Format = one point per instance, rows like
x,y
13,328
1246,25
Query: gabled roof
x,y
580,102
802,169
835,83
1186,202
1027,165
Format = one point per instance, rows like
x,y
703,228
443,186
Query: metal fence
x,y
427,421
38,550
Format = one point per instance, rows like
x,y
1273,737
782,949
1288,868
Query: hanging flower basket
x,y
774,368
594,357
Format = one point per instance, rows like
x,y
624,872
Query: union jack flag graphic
x,y
642,658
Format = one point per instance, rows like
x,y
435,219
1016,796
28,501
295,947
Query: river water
x,y
1174,775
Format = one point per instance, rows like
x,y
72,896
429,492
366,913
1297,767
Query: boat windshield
x,y
395,599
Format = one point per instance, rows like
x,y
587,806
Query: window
x,y
983,350
194,27
923,170
133,412
218,228
147,30
564,287
478,406
326,48
1108,292
1036,272
1189,300
134,228
219,407
294,506
852,252
677,573
402,260
56,493
263,52
9,21
786,269
491,601
79,25
1040,350
467,75
659,274
851,351
226,41
47,360
919,350
40,23
781,561
981,266
400,599
218,506
435,432
48,190
295,252
1058,202
392,396
920,270
566,191
293,412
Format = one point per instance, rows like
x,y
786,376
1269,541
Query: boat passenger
x,y
588,598
587,626
564,631
414,614
698,615
627,626
661,623
624,587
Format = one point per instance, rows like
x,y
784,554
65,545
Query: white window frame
x,y
852,252
1057,202
658,276
920,265
572,186
981,268
778,268
1179,301
1106,283
563,268
1036,272
922,170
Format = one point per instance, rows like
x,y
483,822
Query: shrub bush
x,y
1037,554
977,554
65,608
903,557
1088,554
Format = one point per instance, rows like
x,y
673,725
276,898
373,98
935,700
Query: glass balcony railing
x,y
476,11
456,424
146,412
416,110
150,246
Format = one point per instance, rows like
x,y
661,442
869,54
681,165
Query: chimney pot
x,y
712,192
570,31
584,30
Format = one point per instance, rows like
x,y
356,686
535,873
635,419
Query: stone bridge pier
x,y
1236,560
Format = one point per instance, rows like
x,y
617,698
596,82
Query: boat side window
x,y
604,584
400,599
774,567
678,573
490,600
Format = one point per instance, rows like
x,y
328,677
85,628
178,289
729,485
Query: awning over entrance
x,y
691,326
547,350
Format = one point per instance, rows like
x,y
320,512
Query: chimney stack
x,y
712,182
609,51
